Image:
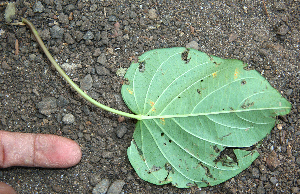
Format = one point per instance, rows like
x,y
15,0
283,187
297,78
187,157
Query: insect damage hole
x,y
184,56
142,66
243,82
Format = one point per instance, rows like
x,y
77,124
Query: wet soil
x,y
96,38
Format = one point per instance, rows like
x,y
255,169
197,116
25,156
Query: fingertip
x,y
56,152
6,189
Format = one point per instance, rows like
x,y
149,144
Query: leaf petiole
x,y
66,77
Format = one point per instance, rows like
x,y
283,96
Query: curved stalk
x,y
66,77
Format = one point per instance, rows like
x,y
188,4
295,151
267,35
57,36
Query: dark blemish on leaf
x,y
207,171
247,104
155,168
168,167
231,108
191,184
243,82
165,144
138,149
206,182
184,56
216,149
227,157
221,138
126,82
142,66
179,97
201,80
198,91
170,141
162,134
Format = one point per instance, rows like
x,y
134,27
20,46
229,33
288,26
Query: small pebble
x,y
38,7
86,83
102,70
112,18
121,131
152,14
68,119
95,179
283,30
255,173
193,44
101,59
57,32
116,187
47,106
88,35
102,187
273,180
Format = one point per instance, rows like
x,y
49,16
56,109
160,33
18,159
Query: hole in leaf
x,y
184,56
142,66
243,82
162,134
227,157
170,141
198,90
201,80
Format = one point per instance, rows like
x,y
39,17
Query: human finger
x,y
37,150
6,189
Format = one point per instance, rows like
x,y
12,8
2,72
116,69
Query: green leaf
x,y
198,112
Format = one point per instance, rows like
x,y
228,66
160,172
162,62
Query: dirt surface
x,y
96,38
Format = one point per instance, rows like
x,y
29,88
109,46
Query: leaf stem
x,y
66,77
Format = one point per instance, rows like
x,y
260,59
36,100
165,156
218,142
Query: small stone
x,y
85,26
57,32
232,37
272,161
95,179
64,19
93,7
295,190
10,12
112,18
152,14
121,131
121,71
47,106
273,180
289,92
95,159
69,39
6,66
38,7
97,52
62,101
260,189
116,187
283,30
86,83
298,160
107,155
78,35
56,188
193,44
102,59
255,173
102,70
68,119
88,35
102,187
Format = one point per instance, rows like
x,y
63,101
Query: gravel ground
x,y
92,39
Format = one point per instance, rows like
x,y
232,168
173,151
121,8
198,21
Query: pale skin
x,y
36,150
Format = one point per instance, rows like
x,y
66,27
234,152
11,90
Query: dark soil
x,y
99,37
